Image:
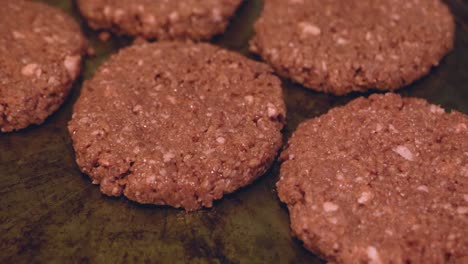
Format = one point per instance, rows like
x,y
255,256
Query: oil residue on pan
x,y
51,212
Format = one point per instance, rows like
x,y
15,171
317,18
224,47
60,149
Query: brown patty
x,y
164,19
380,180
40,57
340,46
177,124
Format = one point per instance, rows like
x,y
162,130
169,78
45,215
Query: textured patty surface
x,y
177,124
40,57
380,180
163,19
340,46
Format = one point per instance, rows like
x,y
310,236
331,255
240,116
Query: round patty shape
x,y
177,124
40,57
163,19
340,46
380,180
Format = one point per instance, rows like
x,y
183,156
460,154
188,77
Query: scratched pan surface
x,y
50,212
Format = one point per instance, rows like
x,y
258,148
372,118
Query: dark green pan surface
x,y
50,212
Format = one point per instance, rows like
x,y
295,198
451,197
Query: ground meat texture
x,y
380,180
40,57
177,124
164,19
343,46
